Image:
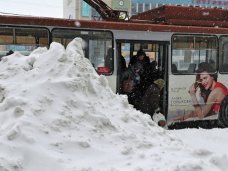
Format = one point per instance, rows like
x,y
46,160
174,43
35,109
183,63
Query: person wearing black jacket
x,y
140,57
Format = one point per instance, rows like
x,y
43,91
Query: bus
x,y
178,38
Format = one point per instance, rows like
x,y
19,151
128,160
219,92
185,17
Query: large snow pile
x,y
57,114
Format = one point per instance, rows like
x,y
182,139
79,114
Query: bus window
x,y
24,40
6,36
188,51
98,49
151,50
125,52
223,64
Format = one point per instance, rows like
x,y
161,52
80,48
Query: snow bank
x,y
57,114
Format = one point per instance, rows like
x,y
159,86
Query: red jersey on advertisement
x,y
225,90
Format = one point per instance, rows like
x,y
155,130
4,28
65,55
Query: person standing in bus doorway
x,y
145,62
212,91
108,59
122,64
140,57
130,80
150,102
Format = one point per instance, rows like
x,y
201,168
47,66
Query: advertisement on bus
x,y
196,97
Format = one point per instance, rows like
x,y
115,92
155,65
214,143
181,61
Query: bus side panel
x,y
223,78
112,81
179,100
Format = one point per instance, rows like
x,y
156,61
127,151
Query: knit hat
x,y
160,83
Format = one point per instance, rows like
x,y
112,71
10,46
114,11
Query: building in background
x,y
78,9
139,6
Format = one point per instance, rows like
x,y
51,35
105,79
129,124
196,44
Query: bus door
x,y
163,67
157,53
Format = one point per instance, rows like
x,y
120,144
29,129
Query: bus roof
x,y
184,15
169,22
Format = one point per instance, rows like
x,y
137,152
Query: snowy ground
x,y
57,114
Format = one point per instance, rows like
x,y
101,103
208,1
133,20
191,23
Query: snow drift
x,y
58,114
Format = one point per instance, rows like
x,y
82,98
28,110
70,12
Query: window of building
x,y
134,8
147,7
140,7
95,15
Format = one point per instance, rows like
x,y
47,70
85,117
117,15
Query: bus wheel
x,y
223,113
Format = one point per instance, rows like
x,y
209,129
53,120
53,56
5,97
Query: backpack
x,y
150,100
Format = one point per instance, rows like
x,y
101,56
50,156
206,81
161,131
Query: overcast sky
x,y
48,8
